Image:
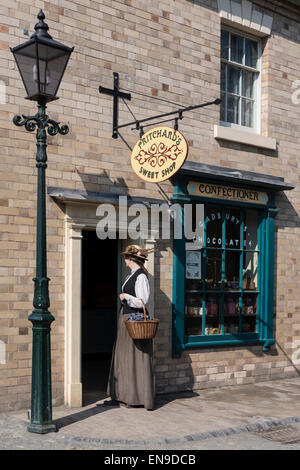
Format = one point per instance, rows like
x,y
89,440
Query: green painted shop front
x,y
223,291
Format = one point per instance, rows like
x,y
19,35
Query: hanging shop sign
x,y
216,191
159,154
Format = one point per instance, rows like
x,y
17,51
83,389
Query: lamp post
x,y
41,62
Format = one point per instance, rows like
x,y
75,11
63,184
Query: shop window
x,y
222,294
223,273
240,80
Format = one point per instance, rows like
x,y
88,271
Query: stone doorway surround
x,y
81,215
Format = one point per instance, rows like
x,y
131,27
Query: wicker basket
x,y
144,329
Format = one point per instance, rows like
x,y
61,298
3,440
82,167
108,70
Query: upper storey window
x,y
240,80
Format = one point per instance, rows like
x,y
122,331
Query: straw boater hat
x,y
136,252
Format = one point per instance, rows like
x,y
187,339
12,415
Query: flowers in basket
x,y
137,317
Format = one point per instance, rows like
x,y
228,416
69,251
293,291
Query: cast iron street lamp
x,y
41,62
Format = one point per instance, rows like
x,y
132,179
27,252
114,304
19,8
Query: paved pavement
x,y
256,416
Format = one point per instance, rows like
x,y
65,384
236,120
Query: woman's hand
x,y
122,297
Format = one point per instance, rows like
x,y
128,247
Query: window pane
x,y
223,76
193,314
231,313
232,270
233,228
250,264
233,109
247,113
212,317
249,314
237,44
251,53
213,269
193,284
214,227
223,107
250,230
224,44
233,81
248,84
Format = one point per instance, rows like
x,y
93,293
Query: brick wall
x,y
167,49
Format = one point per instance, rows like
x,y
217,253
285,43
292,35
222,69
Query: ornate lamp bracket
x,y
42,121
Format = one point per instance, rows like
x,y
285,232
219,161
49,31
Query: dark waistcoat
x,y
129,288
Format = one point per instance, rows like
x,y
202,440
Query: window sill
x,y
226,340
244,137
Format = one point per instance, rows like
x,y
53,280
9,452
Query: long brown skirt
x,y
131,378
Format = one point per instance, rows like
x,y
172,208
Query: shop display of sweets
x,y
248,283
234,285
212,331
193,284
212,306
246,327
249,307
194,306
193,312
229,306
194,331
231,328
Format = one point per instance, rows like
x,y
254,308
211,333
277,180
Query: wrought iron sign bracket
x,y
116,93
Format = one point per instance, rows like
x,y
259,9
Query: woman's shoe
x,y
110,403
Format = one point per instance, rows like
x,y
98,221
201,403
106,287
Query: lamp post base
x,y
42,428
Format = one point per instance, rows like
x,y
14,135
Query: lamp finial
x,y
41,27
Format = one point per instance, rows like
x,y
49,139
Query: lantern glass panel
x,y
52,63
26,61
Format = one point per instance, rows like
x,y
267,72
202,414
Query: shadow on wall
x,y
286,218
102,182
249,149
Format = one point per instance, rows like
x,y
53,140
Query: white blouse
x,y
142,291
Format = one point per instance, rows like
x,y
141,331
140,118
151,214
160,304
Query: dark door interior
x,y
99,312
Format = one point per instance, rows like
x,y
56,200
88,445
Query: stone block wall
x,y
163,49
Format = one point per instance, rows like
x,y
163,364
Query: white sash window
x,y
240,81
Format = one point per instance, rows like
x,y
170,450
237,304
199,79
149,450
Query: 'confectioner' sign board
x,y
217,191
159,154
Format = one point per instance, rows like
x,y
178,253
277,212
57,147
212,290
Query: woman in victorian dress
x,y
131,379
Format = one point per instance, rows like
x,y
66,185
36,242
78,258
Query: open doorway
x,y
99,312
